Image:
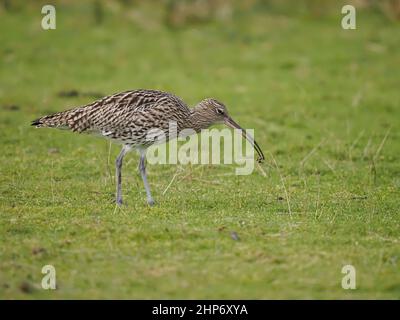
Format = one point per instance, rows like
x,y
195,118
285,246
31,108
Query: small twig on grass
x,y
357,98
308,156
318,197
381,145
283,184
261,169
120,208
375,157
178,171
366,149
330,166
354,144
172,180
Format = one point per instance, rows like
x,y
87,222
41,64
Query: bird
x,y
126,117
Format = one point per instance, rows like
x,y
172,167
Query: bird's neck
x,y
197,121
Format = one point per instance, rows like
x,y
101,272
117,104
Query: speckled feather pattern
x,y
124,117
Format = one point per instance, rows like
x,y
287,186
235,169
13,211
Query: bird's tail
x,y
55,120
73,119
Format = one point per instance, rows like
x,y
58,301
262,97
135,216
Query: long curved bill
x,y
230,123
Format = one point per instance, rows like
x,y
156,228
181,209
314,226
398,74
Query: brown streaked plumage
x,y
127,117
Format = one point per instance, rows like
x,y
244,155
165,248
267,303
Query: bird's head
x,y
210,111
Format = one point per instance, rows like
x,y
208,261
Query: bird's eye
x,y
220,111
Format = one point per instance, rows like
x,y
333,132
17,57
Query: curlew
x,y
127,117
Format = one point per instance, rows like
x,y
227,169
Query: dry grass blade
x,y
283,184
261,169
308,156
378,151
172,181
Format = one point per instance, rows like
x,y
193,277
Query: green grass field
x,y
325,106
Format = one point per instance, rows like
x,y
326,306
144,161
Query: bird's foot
x,y
151,202
119,202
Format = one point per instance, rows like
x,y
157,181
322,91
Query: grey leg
x,y
142,168
118,167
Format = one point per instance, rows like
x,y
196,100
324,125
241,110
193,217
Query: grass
x,y
324,103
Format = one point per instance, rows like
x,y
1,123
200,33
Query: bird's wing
x,y
129,113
